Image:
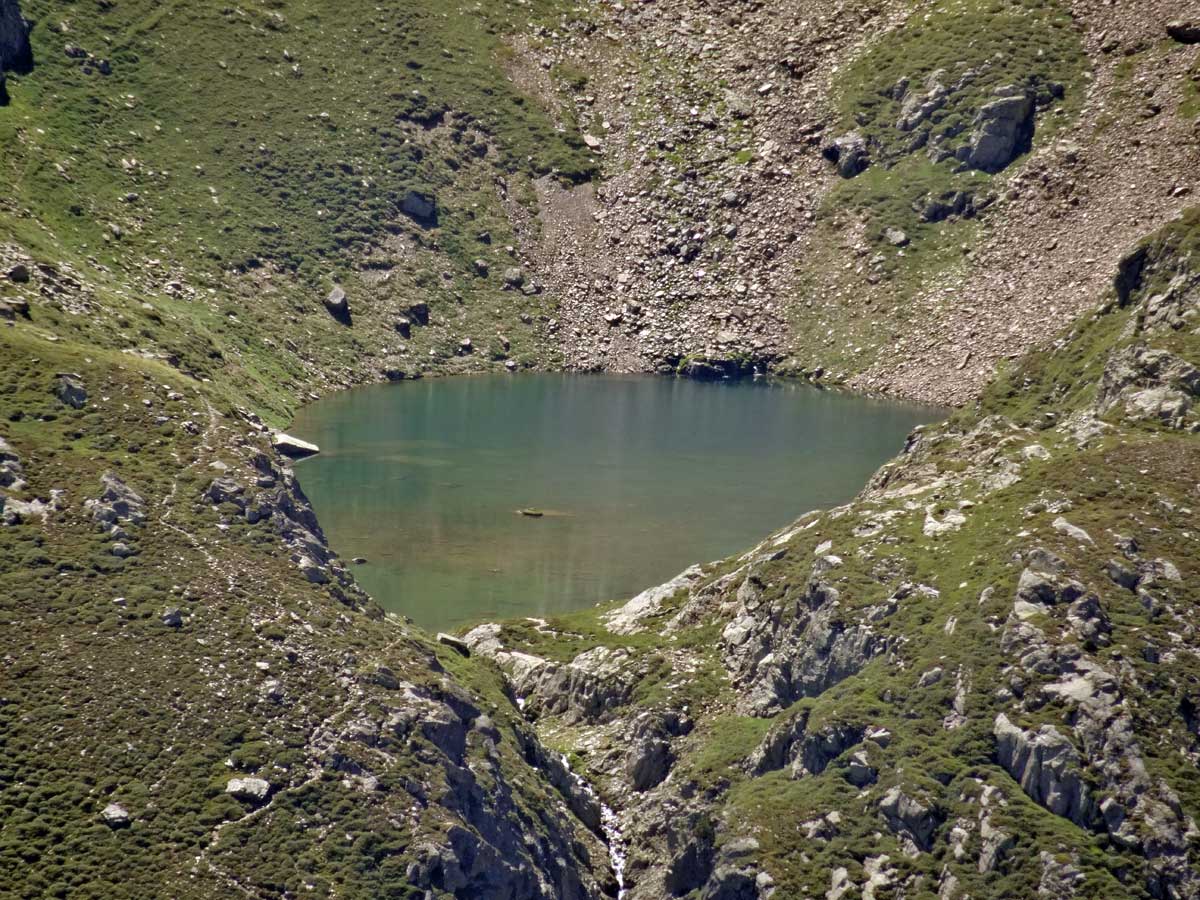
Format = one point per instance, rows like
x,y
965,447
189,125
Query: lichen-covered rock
x,y
69,389
117,503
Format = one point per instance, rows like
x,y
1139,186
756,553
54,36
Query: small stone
x,y
896,237
172,618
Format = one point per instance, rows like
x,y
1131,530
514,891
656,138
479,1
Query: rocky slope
x,y
978,679
941,688
197,700
728,236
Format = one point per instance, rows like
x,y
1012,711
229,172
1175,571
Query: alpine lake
x,y
491,497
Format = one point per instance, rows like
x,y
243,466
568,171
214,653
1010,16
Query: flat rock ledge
x,y
293,446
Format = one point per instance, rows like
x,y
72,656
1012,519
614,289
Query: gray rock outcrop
x,y
789,650
849,152
421,207
1048,767
118,503
1003,130
910,818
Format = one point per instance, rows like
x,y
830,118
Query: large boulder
x,y
69,389
418,312
1003,130
293,446
849,153
338,305
15,53
420,206
252,789
118,503
1186,31
115,815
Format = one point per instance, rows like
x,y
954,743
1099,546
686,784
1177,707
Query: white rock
x,y
255,789
293,446
1062,525
115,815
627,619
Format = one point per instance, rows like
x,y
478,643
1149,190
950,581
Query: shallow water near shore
x,y
634,477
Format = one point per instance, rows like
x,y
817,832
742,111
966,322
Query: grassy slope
x,y
257,155
252,156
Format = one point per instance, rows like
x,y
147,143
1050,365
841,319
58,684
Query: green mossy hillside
x,y
971,48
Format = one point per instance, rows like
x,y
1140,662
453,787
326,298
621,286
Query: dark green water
x,y
639,478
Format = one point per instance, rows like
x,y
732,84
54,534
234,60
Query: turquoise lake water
x,y
638,477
